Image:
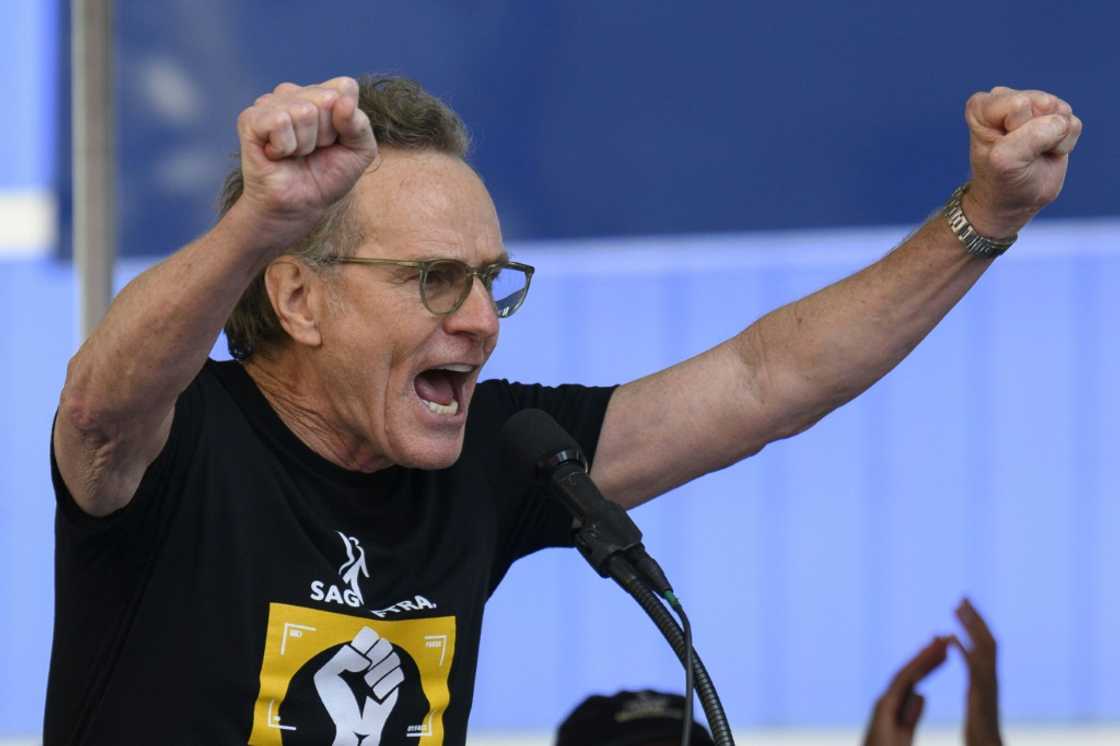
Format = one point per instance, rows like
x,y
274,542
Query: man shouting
x,y
203,593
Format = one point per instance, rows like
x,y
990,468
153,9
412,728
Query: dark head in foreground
x,y
645,718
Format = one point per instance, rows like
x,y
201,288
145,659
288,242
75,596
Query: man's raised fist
x,y
1020,146
303,148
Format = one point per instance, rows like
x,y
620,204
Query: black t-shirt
x,y
254,591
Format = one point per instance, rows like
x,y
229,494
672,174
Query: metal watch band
x,y
974,243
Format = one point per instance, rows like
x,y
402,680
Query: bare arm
x,y
116,407
798,363
302,150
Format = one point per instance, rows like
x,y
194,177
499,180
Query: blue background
x,y
630,117
982,466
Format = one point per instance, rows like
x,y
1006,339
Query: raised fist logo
x,y
359,719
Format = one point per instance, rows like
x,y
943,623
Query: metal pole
x,y
91,100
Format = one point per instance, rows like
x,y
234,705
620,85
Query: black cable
x,y
689,678
624,574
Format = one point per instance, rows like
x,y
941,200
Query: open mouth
x,y
441,388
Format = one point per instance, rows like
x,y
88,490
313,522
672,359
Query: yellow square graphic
x,y
296,635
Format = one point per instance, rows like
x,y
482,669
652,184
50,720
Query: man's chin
x,y
425,440
433,455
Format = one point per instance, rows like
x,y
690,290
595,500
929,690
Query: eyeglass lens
x,y
446,287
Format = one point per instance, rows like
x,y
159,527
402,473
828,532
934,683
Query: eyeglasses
x,y
446,283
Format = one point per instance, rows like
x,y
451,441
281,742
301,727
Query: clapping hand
x,y
898,710
981,725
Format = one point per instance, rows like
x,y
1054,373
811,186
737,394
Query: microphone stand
x,y
611,543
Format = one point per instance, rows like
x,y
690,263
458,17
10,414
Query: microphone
x,y
541,451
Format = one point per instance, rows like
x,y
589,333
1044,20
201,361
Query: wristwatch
x,y
974,243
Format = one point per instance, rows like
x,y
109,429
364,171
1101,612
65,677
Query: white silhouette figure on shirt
x,y
354,565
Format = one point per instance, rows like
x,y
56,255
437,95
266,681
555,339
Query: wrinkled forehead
x,y
423,205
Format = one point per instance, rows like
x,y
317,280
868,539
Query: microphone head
x,y
534,444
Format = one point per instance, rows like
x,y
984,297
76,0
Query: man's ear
x,y
296,294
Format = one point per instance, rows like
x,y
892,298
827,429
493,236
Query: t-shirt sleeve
x,y
528,519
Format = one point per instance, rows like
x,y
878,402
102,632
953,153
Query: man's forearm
x,y
817,353
795,365
302,150
160,328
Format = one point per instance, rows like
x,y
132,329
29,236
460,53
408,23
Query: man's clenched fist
x,y
303,148
1020,146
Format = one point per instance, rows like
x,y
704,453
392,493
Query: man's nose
x,y
477,315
